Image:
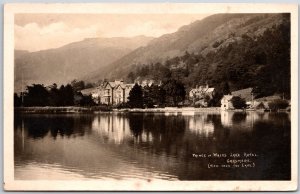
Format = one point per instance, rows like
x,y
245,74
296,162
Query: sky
x,y
34,32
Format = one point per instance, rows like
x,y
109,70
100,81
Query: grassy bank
x,y
67,109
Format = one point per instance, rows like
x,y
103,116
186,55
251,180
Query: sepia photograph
x,y
150,97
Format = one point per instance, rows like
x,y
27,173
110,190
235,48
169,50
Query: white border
x,y
134,8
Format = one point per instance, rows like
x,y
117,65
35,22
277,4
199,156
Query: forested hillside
x,y
235,50
261,61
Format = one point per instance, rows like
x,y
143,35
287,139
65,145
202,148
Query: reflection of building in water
x,y
144,137
242,120
254,116
113,127
226,118
116,129
199,125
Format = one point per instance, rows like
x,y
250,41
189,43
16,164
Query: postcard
x,y
150,97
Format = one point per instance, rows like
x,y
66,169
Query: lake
x,y
144,146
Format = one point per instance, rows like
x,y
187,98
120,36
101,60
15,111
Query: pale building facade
x,y
226,103
111,93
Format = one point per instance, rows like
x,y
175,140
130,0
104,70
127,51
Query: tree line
x,y
170,93
65,95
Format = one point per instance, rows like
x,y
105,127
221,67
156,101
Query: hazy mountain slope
x,y
71,61
200,37
260,60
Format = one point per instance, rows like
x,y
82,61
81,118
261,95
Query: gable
x,y
108,86
119,87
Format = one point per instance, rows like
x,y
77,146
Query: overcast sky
x,y
35,32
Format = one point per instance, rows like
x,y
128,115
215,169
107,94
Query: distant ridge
x,y
61,65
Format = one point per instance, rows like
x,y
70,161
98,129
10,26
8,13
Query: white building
x,y
226,103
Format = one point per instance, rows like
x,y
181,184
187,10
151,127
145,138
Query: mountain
x,y
61,65
258,57
200,37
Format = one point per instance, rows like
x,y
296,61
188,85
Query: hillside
x,y
71,61
201,37
260,60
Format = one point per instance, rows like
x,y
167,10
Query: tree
x,y
69,95
36,95
174,90
238,102
77,85
207,99
54,97
17,100
135,98
154,95
148,99
278,104
87,101
66,95
158,95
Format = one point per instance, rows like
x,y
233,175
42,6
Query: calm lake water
x,y
152,146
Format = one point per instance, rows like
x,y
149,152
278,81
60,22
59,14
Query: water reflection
x,y
39,126
150,146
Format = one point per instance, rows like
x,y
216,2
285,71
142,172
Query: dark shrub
x,y
278,104
238,102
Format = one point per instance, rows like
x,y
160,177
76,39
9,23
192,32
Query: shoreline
x,y
73,109
98,110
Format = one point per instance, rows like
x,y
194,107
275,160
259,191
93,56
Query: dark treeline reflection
x,y
167,142
239,117
38,126
273,139
162,133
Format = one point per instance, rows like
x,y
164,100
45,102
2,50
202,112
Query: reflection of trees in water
x,y
168,140
166,131
136,123
269,138
220,132
239,117
273,140
38,126
172,134
280,118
